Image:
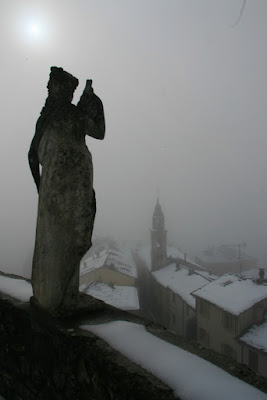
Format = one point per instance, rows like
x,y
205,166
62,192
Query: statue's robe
x,y
66,208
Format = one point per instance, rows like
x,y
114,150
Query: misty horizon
x,y
184,93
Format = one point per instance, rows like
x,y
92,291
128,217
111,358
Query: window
x,y
204,308
173,298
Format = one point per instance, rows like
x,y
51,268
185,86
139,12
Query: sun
x,y
35,30
33,26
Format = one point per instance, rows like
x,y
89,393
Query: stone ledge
x,y
44,358
41,359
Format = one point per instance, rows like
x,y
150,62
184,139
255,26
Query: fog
x,y
184,92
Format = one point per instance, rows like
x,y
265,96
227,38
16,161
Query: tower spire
x,y
158,239
158,195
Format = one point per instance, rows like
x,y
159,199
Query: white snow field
x,y
191,377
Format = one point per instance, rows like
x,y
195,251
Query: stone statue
x,y
66,208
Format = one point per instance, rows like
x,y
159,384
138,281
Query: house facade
x,y
225,309
254,348
111,267
110,275
173,304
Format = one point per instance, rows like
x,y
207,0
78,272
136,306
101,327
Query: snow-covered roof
x,y
206,274
181,281
253,273
93,262
233,293
122,261
123,297
119,260
172,252
256,336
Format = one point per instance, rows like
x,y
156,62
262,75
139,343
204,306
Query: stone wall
x,y
46,359
42,359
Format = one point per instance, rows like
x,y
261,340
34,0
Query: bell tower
x,y
158,239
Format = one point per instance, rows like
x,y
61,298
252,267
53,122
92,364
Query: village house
x,y
226,314
173,304
110,275
254,348
226,258
168,279
110,266
225,309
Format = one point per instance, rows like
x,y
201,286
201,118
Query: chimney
x,y
190,271
261,275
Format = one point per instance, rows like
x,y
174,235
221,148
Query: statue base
x,y
82,304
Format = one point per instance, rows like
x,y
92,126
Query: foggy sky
x,y
185,98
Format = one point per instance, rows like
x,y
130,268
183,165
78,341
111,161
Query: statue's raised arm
x,y
91,112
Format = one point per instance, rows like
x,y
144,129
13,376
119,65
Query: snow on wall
x,y
191,377
17,288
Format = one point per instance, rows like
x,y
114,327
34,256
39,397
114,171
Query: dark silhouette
x,y
67,206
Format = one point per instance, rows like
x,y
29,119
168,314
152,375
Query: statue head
x,y
61,84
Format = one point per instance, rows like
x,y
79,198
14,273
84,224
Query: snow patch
x,y
191,377
122,297
17,288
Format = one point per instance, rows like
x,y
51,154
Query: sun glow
x,y
32,24
35,30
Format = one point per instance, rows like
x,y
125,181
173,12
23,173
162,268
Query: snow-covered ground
x,y
17,288
191,377
122,297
